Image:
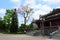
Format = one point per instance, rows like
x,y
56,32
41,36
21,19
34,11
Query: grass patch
x,y
14,33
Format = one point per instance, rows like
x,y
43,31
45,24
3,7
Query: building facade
x,y
50,22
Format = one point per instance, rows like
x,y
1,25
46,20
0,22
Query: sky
x,y
40,7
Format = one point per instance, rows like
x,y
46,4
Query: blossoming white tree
x,y
26,12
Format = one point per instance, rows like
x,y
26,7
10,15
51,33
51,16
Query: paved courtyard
x,y
22,37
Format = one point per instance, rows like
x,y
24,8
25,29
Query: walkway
x,y
22,37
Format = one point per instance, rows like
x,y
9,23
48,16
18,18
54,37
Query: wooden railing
x,y
50,27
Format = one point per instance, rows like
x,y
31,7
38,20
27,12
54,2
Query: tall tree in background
x,y
26,12
14,24
2,25
8,18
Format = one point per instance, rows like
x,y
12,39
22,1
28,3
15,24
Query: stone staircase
x,y
56,35
34,33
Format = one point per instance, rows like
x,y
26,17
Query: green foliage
x,y
25,27
30,27
2,25
14,23
22,27
14,33
8,18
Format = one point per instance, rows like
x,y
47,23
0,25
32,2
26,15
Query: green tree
x,y
22,27
30,27
8,18
2,25
14,23
26,27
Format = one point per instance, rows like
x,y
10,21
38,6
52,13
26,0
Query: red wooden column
x,y
42,27
50,24
50,28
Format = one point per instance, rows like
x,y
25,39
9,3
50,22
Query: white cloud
x,y
41,10
52,1
38,13
43,7
30,2
2,11
58,7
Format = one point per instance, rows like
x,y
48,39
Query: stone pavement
x,y
22,37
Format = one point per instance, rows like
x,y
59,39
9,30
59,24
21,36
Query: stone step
x,y
34,33
56,35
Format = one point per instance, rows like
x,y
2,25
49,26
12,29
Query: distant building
x,y
50,22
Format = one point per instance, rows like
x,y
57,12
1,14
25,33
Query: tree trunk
x,y
25,20
14,25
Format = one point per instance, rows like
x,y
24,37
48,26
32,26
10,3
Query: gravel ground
x,y
22,37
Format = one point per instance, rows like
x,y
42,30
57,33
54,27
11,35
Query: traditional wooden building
x,y
50,22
